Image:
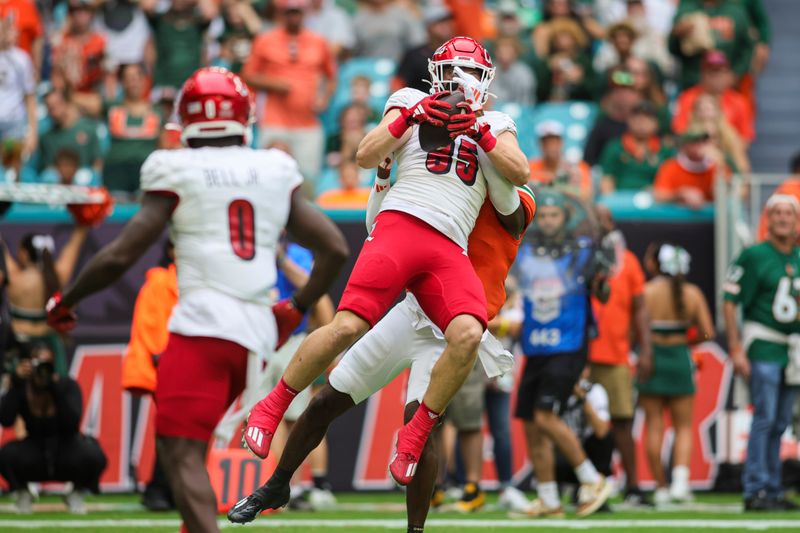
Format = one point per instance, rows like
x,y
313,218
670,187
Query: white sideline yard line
x,y
268,523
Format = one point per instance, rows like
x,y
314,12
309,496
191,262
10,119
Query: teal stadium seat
x,y
380,71
577,118
525,118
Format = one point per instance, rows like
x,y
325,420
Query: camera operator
x,y
54,449
586,413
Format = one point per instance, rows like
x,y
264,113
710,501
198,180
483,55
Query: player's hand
x,y
644,368
60,317
467,124
741,365
475,91
429,109
287,317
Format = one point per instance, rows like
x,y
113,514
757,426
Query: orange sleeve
x,y
664,181
744,114
253,63
36,22
329,65
149,332
586,178
635,274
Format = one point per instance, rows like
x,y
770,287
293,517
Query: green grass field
x,y
374,513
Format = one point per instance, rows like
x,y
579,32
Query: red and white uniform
x,y
444,189
419,238
233,204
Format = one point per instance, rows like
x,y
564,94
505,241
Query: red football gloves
x,y
429,109
60,317
92,214
466,123
288,316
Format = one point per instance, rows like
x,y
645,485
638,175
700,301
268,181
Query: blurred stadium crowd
x,y
604,91
608,95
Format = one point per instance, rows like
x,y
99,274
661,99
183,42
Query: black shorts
x,y
547,382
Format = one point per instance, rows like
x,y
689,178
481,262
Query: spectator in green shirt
x,y
70,130
631,162
764,281
134,126
178,38
729,28
759,21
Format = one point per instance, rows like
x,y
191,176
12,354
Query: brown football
x,y
432,138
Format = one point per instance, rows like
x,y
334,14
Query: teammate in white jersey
x,y
418,242
226,206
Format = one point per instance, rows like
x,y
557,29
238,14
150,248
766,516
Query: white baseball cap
x,y
550,128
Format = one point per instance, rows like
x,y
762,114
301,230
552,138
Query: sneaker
x,y
760,502
680,493
537,509
592,496
156,499
257,437
403,467
661,497
74,501
321,499
513,499
472,499
265,497
438,497
299,501
23,501
637,498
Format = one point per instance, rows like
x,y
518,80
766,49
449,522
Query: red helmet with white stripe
x,y
213,103
463,52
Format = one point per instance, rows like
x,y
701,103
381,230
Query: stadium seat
x,y
525,117
380,71
577,118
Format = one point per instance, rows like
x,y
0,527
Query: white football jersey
x,y
446,188
233,204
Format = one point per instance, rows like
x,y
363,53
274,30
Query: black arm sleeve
x,y
69,405
10,404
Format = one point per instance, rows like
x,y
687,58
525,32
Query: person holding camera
x,y
587,414
54,449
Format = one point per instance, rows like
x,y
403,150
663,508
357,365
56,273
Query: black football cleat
x,y
265,497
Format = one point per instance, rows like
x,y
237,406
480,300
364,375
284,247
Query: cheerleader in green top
x,y
33,275
673,306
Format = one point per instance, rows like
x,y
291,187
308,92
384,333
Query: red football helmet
x,y
462,52
215,102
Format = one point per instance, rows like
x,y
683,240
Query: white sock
x,y
587,473
680,476
548,493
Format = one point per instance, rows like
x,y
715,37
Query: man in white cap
x,y
554,169
765,281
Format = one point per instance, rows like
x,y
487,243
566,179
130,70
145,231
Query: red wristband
x,y
398,127
487,142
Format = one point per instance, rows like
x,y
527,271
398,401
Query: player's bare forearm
x,y
514,223
509,160
313,230
65,264
115,258
731,324
642,323
379,142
